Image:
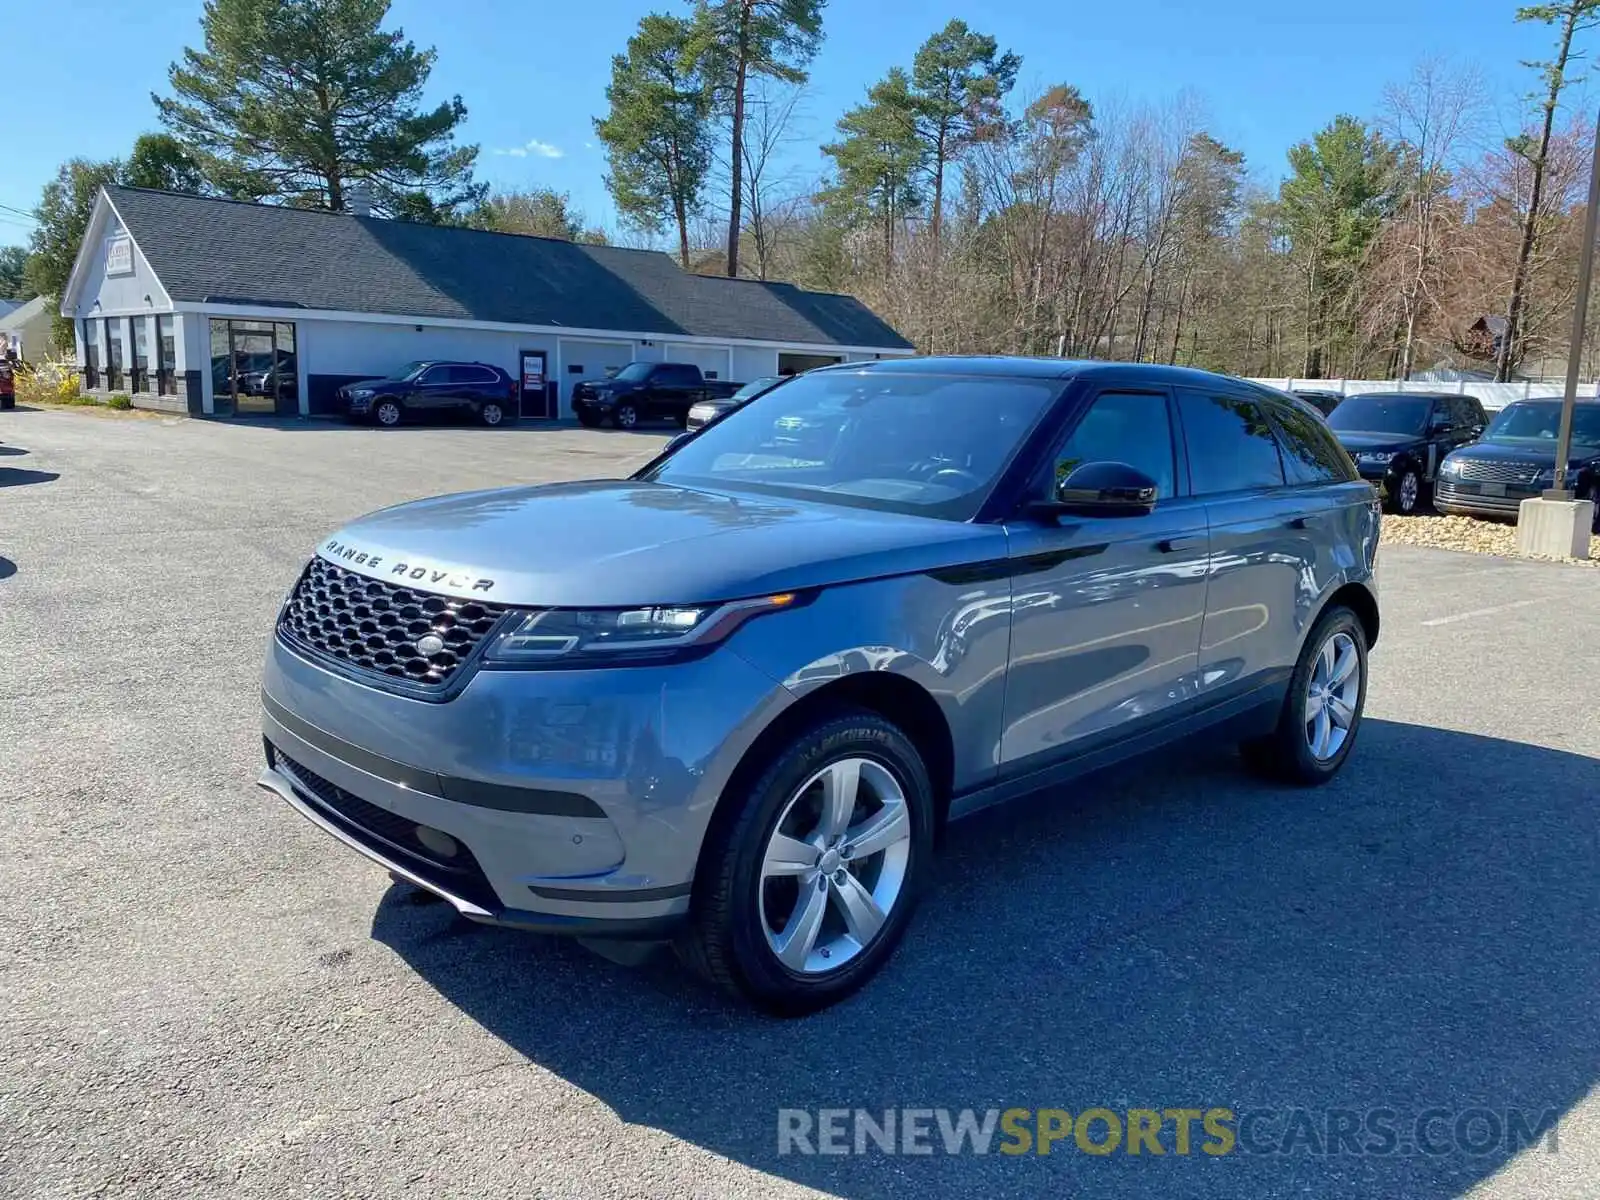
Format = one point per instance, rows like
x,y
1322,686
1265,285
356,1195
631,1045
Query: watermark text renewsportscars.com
x,y
1212,1131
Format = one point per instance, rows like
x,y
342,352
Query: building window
x,y
254,367
114,361
141,354
91,354
167,364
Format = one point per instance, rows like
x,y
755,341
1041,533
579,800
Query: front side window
x,y
1126,427
1231,444
1310,453
1404,416
932,445
677,375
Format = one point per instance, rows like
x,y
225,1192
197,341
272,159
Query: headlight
x,y
1547,477
361,394
1450,467
1376,457
571,636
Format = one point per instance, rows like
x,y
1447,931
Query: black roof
x,y
228,252
1016,366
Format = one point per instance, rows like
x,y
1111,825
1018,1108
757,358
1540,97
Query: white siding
x,y
125,294
708,358
753,362
594,357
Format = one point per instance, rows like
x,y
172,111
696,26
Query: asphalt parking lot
x,y
203,995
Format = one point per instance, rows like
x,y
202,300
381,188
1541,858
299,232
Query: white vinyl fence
x,y
1493,396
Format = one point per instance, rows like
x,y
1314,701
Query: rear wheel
x,y
1322,712
491,414
626,416
808,885
387,413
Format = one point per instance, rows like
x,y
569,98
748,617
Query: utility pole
x,y
1580,314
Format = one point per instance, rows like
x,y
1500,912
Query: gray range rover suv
x,y
733,699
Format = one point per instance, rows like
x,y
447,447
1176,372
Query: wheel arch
x,y
902,702
1358,598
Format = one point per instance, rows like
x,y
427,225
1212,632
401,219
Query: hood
x,y
1357,439
1528,452
369,383
610,543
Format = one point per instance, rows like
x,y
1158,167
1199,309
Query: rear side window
x,y
1232,446
1468,412
1311,454
464,374
677,375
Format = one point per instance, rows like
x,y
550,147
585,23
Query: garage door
x,y
582,359
712,360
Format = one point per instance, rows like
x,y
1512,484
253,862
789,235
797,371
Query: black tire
x,y
388,413
726,940
1397,498
1284,753
492,413
1593,496
625,416
588,420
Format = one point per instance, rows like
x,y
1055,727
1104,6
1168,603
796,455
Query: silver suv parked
x,y
733,699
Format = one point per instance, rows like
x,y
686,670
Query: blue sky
x,y
533,74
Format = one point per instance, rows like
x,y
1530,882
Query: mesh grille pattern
x,y
376,626
1482,470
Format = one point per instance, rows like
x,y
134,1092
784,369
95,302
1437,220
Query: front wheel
x,y
387,413
626,416
807,886
1322,712
1407,492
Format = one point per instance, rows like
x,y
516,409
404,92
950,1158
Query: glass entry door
x,y
254,369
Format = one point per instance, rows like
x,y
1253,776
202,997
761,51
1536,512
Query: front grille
x,y
391,834
1488,470
375,626
1468,496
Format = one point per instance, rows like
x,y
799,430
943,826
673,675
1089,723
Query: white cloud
x,y
534,147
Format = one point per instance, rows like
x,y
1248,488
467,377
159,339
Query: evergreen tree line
x,y
974,214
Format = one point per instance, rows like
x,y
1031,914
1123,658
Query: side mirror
x,y
1107,489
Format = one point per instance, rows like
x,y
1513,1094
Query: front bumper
x,y
567,801
1471,499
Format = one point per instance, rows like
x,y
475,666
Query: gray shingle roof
x,y
223,251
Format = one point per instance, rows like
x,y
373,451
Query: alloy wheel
x,y
1332,694
492,414
627,417
1409,489
835,866
388,414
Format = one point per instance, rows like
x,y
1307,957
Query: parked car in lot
x,y
644,391
1398,439
432,390
731,700
706,411
1324,402
1516,459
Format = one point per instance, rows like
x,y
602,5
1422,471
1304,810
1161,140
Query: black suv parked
x,y
642,390
1516,460
431,389
1398,439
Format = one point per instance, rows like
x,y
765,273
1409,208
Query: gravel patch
x,y
1464,533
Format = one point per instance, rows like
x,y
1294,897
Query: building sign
x,y
119,255
533,371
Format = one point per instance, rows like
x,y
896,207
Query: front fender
x,y
951,639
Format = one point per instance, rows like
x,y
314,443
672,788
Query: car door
x,y
676,386
1106,610
1258,541
433,391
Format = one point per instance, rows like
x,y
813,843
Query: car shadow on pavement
x,y
1418,937
11,451
18,477
7,568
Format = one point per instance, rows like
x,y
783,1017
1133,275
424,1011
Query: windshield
x,y
925,444
1540,421
410,369
755,387
1381,414
634,372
